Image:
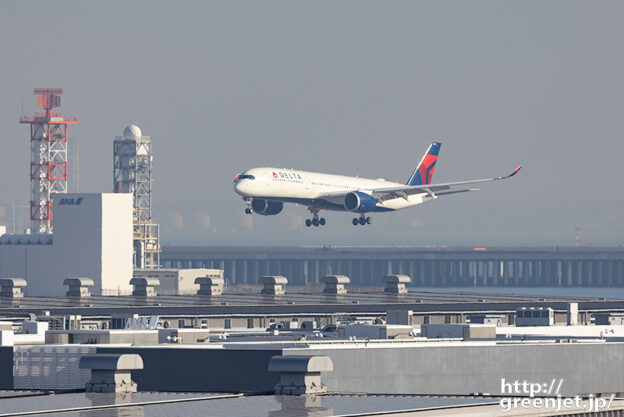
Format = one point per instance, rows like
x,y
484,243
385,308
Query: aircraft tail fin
x,y
423,173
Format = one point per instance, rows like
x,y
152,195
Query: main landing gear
x,y
362,220
315,221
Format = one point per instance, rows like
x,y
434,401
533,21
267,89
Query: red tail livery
x,y
423,173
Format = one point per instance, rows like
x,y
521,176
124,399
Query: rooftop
x,y
206,404
293,303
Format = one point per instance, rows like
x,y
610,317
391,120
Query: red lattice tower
x,y
48,157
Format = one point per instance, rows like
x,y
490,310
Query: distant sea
x,y
591,292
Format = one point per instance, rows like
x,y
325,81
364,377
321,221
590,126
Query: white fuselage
x,y
314,188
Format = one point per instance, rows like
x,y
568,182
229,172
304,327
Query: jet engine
x,y
267,208
359,201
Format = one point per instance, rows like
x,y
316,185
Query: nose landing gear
x,y
249,209
362,220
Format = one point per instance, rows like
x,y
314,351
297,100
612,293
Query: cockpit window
x,y
244,177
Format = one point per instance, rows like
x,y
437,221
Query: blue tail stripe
x,y
435,148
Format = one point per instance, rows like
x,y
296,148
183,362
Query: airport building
x,y
177,281
427,266
305,354
92,238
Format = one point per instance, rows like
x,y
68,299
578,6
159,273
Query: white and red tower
x,y
48,157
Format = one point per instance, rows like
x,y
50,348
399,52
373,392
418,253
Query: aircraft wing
x,y
382,194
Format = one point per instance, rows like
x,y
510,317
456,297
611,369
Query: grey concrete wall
x,y
584,368
6,367
202,370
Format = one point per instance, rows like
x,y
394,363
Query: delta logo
x,y
286,176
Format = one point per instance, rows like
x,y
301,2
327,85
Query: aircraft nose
x,y
239,187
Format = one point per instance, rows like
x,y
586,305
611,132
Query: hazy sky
x,y
352,87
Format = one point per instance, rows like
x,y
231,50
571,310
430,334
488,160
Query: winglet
x,y
514,172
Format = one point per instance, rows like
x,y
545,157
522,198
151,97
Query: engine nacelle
x,y
267,208
359,201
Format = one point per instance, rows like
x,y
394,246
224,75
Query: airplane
x,y
265,190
